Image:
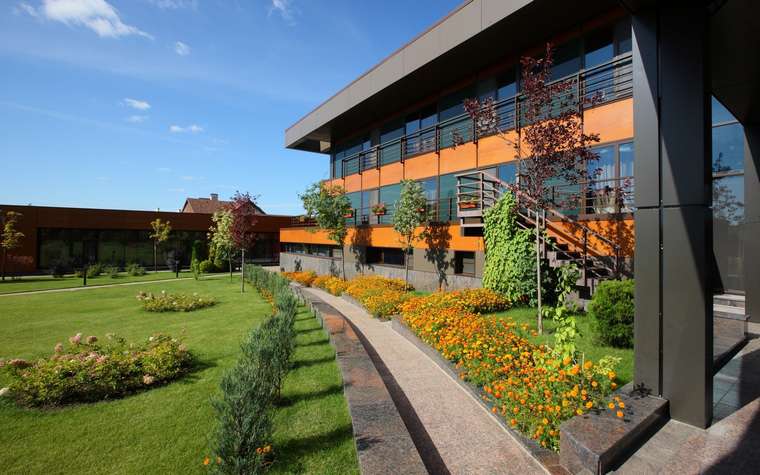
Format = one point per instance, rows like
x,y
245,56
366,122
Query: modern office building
x,y
120,237
678,102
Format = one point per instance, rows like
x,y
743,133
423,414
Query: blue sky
x,y
139,104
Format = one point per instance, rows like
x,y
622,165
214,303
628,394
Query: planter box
x,y
468,205
379,213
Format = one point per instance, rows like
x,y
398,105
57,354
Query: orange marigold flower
x,y
589,404
512,421
621,404
620,414
206,462
594,383
579,412
545,420
258,450
495,410
612,405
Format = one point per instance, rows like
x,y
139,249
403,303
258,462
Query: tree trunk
x,y
155,269
242,271
538,273
406,268
229,259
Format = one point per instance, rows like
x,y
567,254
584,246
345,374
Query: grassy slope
x,y
158,431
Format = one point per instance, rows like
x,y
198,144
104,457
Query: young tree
x,y
409,213
221,234
243,209
11,237
328,205
160,234
552,134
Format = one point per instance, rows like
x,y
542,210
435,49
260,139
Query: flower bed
x,y
87,371
381,296
303,278
534,391
173,302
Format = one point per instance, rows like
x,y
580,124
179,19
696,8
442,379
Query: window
x,y
385,255
322,250
464,263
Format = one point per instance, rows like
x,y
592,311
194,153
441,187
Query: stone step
x,y
729,300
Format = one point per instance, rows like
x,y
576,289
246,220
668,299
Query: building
x,y
120,237
674,72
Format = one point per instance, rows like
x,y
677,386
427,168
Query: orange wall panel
x,y
423,166
611,121
493,150
370,179
616,230
303,236
391,174
463,158
353,183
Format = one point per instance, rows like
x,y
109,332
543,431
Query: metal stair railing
x,y
486,190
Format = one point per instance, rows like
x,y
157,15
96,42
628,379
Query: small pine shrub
x,y
94,270
135,269
111,271
612,309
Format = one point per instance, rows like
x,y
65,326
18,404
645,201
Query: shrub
x,y
173,302
135,269
17,263
88,371
198,256
174,259
94,269
206,267
59,267
111,271
612,309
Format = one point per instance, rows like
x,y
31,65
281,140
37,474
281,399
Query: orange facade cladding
x,y
619,231
370,178
612,121
353,182
495,149
389,174
379,236
464,157
422,166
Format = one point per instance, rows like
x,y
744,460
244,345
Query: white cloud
x,y
175,3
189,128
284,8
181,48
178,190
26,8
164,169
97,15
142,105
219,141
136,118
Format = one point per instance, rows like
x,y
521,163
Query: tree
x,y
11,237
243,209
557,148
160,234
328,205
221,234
409,213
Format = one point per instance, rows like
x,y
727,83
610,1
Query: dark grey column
x,y
673,220
752,220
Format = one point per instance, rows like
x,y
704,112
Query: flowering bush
x,y
532,389
303,278
173,302
88,371
381,296
334,285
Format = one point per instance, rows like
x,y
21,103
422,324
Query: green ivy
x,y
510,268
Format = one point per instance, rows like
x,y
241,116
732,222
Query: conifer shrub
x,y
612,309
135,269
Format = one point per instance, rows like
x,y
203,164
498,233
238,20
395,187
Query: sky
x,y
140,104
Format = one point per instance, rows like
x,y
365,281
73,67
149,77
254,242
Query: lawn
x,y
588,349
32,283
164,430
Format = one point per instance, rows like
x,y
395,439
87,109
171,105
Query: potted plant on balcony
x,y
378,209
350,214
468,202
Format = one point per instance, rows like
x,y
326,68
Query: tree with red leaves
x,y
243,209
551,146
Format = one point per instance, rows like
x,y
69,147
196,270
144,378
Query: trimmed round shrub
x,y
612,309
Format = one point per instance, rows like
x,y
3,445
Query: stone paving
x,y
452,431
731,445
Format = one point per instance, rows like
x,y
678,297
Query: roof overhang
x,y
479,33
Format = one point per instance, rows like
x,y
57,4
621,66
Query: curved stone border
x,y
547,457
383,443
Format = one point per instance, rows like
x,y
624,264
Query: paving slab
x,y
449,427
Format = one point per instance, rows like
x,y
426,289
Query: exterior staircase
x,y
568,241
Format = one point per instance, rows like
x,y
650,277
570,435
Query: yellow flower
x,y
589,404
612,405
620,414
621,404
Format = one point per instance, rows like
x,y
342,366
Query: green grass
x,y
588,349
34,283
164,430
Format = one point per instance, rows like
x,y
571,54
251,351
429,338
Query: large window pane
x,y
728,148
567,59
598,48
507,173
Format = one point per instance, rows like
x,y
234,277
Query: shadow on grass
x,y
294,451
307,363
291,399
